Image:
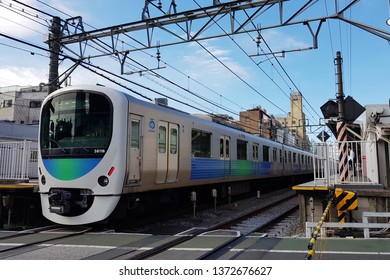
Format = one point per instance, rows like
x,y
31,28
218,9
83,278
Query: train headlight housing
x,y
103,181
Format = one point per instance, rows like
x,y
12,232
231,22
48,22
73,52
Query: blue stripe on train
x,y
205,168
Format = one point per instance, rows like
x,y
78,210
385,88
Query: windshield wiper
x,y
58,145
80,145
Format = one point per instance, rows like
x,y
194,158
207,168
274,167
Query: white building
x,y
21,105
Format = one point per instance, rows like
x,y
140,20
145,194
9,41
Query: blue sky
x,y
365,56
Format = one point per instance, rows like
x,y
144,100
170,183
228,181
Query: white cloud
x,y
202,65
279,40
21,76
20,22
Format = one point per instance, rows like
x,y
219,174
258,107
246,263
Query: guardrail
x,y
360,171
365,225
18,160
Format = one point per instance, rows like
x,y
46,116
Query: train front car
x,y
82,162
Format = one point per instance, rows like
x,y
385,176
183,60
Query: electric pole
x,y
54,47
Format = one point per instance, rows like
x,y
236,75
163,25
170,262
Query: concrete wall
x,y
17,132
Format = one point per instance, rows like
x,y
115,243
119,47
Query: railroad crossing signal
x,y
330,109
352,109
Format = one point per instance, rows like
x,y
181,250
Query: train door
x,y
224,147
135,149
167,152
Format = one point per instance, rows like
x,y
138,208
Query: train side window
x,y
221,153
280,156
162,139
289,157
227,148
200,143
285,156
255,151
294,157
135,134
241,150
274,154
265,153
173,141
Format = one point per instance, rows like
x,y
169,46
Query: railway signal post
x,y
341,123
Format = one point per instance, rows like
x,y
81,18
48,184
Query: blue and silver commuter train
x,y
97,145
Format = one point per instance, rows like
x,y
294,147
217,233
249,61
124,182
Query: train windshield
x,y
77,124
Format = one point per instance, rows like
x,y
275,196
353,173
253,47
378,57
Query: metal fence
x,y
18,160
362,168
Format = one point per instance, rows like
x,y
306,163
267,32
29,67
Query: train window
x,y
241,150
135,134
294,157
162,139
274,154
173,141
285,156
265,153
255,151
302,159
289,157
227,148
280,156
221,153
76,124
200,143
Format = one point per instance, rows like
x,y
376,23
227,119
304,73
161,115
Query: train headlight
x,y
103,181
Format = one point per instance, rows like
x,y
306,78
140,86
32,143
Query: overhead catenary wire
x,y
272,80
221,95
158,75
169,81
23,12
89,65
234,73
41,48
213,103
69,15
284,70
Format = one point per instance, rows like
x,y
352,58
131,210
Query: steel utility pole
x,y
341,123
54,46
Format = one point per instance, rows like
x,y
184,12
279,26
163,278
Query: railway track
x,y
244,225
29,240
270,210
256,222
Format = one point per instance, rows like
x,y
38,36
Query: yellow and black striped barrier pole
x,y
343,150
317,232
345,201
